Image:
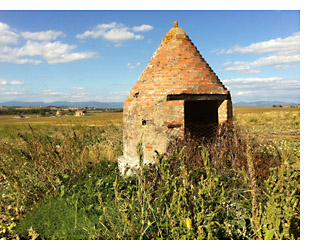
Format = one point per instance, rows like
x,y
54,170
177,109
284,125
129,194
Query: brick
x,y
176,67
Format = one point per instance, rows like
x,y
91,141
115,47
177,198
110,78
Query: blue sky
x,y
99,55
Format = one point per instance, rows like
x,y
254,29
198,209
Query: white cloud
x,y
49,95
120,93
78,88
12,93
245,92
283,53
115,32
14,82
226,63
263,89
252,80
283,46
7,36
118,96
3,82
38,48
42,35
73,94
51,92
132,67
262,83
51,52
142,28
276,61
119,35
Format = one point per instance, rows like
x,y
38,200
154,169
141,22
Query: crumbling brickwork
x,y
154,111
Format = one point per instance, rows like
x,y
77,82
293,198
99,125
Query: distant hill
x,y
263,104
117,105
104,105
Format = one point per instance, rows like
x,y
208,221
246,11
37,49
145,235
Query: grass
x,y
271,123
61,181
74,212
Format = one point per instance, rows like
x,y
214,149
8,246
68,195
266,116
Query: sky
x,y
98,55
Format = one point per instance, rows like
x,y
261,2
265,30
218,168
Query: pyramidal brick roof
x,y
177,67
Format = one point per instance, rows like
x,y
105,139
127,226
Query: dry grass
x,y
61,147
95,119
270,123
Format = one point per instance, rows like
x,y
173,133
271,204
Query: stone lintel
x,y
198,97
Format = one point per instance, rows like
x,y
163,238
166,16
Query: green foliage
x,y
281,216
39,165
74,212
56,186
182,201
16,111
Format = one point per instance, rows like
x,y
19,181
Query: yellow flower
x,y
189,223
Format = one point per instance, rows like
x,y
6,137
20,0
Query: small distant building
x,y
59,113
80,112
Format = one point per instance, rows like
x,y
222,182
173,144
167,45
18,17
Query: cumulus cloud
x,y
8,93
12,92
115,32
142,28
72,94
14,82
38,48
277,61
51,92
284,46
252,80
51,52
3,82
42,35
7,36
264,88
281,53
262,83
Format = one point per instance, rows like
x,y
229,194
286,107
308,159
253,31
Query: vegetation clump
x,y
65,184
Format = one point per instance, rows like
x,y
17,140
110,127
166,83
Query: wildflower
x,y
189,223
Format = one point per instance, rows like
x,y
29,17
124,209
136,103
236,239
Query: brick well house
x,y
178,92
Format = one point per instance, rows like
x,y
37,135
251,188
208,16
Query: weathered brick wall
x,y
225,111
175,68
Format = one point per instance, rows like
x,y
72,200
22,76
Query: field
x,y
59,180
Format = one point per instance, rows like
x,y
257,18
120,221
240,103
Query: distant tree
x,y
42,112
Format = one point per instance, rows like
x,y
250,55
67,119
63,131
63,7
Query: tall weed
x,y
209,189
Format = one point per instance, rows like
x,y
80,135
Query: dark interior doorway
x,y
201,117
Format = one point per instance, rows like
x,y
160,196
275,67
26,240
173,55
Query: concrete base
x,y
129,166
